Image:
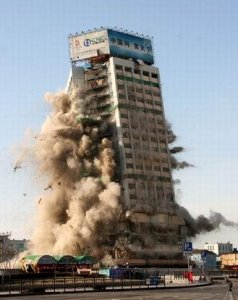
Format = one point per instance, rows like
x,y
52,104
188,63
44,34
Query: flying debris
x,y
24,194
48,187
16,168
39,201
176,150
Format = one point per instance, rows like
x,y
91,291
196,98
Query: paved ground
x,y
212,292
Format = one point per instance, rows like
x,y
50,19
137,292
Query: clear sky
x,y
196,49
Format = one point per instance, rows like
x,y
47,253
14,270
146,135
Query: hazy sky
x,y
196,49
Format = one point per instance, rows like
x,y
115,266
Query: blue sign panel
x,y
129,46
188,247
204,255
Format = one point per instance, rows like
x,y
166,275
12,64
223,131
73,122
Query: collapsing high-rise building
x,y
115,74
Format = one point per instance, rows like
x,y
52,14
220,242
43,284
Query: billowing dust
x,y
79,211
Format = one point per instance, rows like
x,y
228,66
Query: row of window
x,y
145,146
131,95
136,71
147,177
160,196
144,138
140,109
132,89
144,100
148,132
147,167
135,123
136,80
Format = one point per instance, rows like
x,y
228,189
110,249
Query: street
x,y
216,291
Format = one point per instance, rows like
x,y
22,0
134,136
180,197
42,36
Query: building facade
x,y
122,91
219,248
229,261
204,259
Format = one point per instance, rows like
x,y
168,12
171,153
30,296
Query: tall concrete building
x,y
122,89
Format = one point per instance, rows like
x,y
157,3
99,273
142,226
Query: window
x,y
148,92
140,99
145,73
129,166
147,167
120,77
128,69
126,135
139,90
120,86
131,185
118,67
144,137
132,196
136,145
158,103
136,71
127,145
156,168
154,75
122,96
128,155
160,122
149,101
161,131
123,115
156,93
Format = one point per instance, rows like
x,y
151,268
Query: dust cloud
x,y
77,211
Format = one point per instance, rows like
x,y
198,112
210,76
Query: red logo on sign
x,y
77,43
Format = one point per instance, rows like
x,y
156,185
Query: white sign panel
x,y
88,45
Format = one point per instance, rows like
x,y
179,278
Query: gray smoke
x,y
203,224
175,163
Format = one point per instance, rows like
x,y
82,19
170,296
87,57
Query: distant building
x,y
18,246
219,248
10,248
229,261
208,261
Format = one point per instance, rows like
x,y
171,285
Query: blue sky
x,y
195,46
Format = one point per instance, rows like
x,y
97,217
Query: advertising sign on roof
x,y
108,41
88,45
130,46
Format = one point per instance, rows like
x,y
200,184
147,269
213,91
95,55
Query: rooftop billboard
x,y
87,45
130,46
110,42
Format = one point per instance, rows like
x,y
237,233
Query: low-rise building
x,y
219,248
204,258
229,261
